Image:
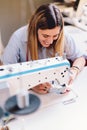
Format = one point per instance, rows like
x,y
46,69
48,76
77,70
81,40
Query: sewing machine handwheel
x,y
11,105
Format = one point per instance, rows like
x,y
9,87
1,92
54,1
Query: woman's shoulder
x,y
21,29
21,33
66,33
68,37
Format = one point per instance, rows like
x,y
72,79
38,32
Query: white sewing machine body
x,y
29,74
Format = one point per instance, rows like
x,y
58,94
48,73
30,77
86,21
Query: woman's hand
x,y
74,72
42,88
77,66
4,128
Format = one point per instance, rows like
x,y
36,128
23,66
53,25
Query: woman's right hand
x,y
42,88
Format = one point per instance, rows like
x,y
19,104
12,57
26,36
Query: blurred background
x,y
16,13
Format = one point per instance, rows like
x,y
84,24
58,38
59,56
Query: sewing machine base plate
x,y
11,105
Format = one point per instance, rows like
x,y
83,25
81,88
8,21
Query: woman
x,y
44,37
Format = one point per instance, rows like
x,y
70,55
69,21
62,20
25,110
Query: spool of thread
x,y
23,99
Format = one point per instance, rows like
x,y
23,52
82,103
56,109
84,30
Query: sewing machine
x,y
29,74
77,17
32,73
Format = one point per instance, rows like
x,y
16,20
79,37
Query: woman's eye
x,y
45,36
55,37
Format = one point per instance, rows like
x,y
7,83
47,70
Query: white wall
x,y
14,14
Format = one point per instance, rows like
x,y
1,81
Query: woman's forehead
x,y
53,31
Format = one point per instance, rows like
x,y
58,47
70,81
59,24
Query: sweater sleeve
x,y
15,51
71,48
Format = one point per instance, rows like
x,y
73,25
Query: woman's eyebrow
x,y
45,35
49,35
56,34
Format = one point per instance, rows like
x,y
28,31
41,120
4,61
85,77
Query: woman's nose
x,y
50,40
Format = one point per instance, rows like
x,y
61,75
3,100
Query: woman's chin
x,y
46,45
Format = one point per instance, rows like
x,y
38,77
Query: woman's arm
x,y
76,67
10,54
15,51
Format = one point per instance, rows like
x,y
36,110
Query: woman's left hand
x,y
73,75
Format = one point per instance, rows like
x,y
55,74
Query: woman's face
x,y
47,36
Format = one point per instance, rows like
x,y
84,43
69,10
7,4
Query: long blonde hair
x,y
47,16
